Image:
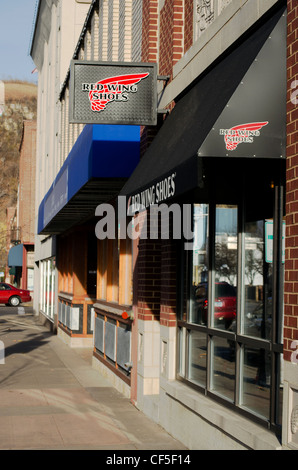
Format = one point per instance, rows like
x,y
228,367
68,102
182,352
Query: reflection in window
x,y
199,290
256,380
181,356
225,297
258,283
197,357
223,377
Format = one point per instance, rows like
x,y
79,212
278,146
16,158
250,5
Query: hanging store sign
x,y
113,93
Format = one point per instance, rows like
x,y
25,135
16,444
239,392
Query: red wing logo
x,y
112,89
244,133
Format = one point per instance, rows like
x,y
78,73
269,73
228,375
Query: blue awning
x,y
15,256
100,162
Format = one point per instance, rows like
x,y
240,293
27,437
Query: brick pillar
x,y
149,276
171,35
168,283
168,309
291,264
148,308
290,372
188,24
150,31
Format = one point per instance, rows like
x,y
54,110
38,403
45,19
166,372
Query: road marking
x,y
27,325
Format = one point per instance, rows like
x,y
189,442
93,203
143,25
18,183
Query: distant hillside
x,y
20,103
19,91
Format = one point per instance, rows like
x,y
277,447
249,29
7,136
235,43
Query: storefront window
x,y
225,341
258,283
197,366
47,287
30,279
223,368
199,266
225,293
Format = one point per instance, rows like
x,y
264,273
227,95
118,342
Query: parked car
x,y
224,303
13,296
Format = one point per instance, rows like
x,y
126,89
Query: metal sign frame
x,y
113,93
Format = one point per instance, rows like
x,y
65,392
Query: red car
x,y
13,296
224,303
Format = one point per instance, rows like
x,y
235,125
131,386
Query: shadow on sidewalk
x,y
17,335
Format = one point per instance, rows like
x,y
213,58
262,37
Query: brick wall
x,y
167,33
188,24
156,270
291,263
163,42
149,54
149,272
168,284
171,35
150,31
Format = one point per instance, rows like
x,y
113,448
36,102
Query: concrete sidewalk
x,y
52,398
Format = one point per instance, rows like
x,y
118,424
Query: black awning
x,y
172,159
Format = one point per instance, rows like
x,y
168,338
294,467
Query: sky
x,y
16,26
